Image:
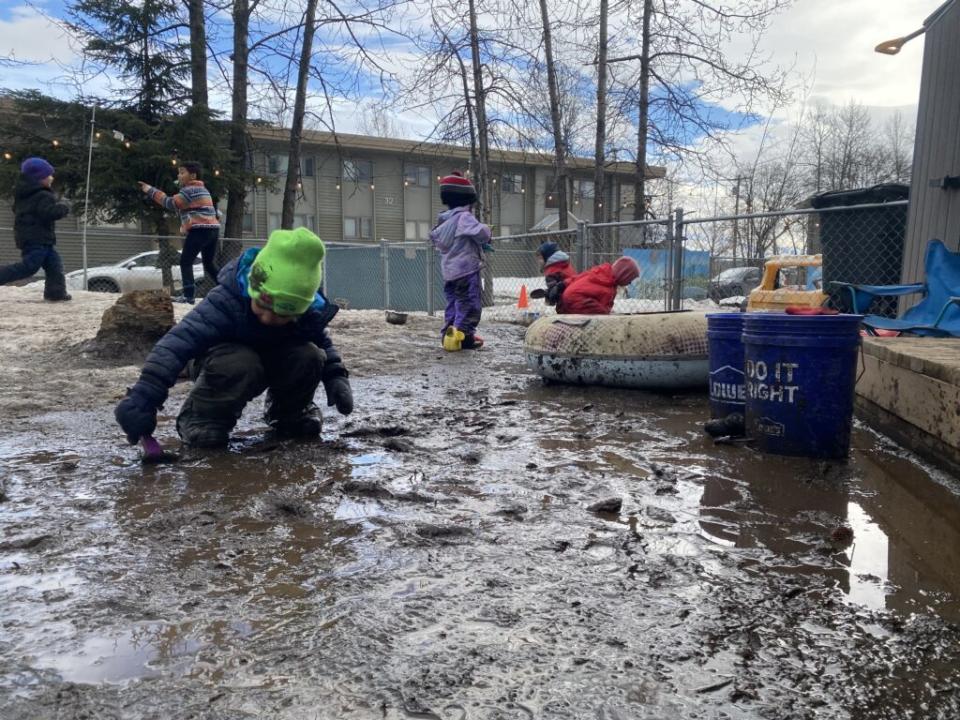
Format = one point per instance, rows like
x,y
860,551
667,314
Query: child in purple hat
x,y
35,211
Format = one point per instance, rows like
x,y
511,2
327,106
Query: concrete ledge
x,y
909,388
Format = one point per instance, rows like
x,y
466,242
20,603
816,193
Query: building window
x,y
307,221
504,231
248,222
309,167
277,164
416,176
357,228
416,230
274,221
358,171
585,188
513,183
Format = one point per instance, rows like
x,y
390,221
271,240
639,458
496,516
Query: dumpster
x,y
862,246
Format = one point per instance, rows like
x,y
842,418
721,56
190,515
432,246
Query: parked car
x,y
734,282
139,272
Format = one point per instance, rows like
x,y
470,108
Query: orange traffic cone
x,y
523,303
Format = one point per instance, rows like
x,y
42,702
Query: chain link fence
x,y
860,244
685,261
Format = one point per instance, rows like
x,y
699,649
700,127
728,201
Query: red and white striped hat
x,y
458,189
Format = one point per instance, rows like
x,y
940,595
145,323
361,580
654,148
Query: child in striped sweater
x,y
198,221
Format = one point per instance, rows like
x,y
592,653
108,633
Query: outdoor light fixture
x,y
259,179
127,144
217,173
338,186
7,156
372,186
892,47
56,143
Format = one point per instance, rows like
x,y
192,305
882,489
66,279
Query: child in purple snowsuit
x,y
460,238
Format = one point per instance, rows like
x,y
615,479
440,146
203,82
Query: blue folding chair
x,y
937,314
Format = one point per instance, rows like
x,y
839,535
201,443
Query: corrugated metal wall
x,y
935,212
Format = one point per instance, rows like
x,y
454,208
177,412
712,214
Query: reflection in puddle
x,y
867,557
136,654
806,517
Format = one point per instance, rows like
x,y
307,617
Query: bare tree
x,y
601,134
687,67
559,146
292,186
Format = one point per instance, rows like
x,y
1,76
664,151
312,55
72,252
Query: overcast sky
x,y
830,41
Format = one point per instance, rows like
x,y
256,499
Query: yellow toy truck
x,y
774,295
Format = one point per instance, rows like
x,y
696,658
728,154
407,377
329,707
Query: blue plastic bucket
x,y
725,349
799,377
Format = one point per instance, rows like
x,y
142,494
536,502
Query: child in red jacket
x,y
593,291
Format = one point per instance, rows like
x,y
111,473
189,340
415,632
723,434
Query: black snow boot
x,y
732,425
306,424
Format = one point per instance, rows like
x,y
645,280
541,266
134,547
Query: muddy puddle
x,y
474,544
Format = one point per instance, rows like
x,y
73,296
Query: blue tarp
x,y
696,263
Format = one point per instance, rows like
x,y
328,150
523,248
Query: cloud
x,y
27,35
834,42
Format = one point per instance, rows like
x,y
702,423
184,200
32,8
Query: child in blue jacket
x,y
263,328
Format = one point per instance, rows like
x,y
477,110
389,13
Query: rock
x,y
142,313
659,514
610,505
398,445
131,326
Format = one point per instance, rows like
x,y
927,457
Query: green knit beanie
x,y
286,274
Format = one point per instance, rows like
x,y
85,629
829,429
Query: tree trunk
x,y
291,189
480,109
198,54
236,182
639,185
559,147
598,157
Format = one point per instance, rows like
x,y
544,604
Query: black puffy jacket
x,y
35,210
225,316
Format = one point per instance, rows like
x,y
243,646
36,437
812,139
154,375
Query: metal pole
x,y
431,279
668,266
678,261
385,261
582,244
86,196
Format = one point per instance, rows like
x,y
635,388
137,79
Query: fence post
x,y
668,265
582,244
678,229
385,262
326,273
431,279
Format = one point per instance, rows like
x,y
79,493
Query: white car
x,y
135,273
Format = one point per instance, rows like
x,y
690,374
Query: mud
x,y
471,544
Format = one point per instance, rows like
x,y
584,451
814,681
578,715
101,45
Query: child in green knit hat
x,y
263,328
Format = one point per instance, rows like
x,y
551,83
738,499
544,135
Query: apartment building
x,y
357,188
